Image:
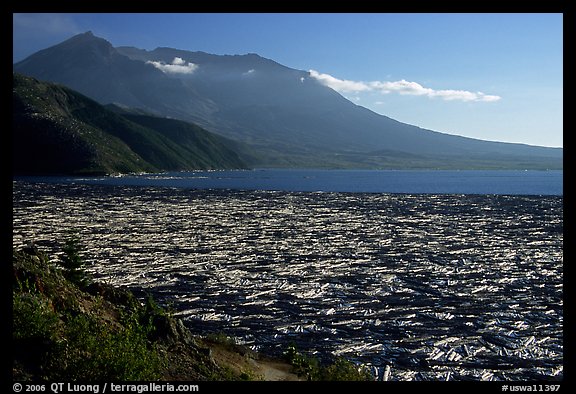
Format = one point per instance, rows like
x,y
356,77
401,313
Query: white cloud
x,y
178,61
249,72
401,87
178,66
340,85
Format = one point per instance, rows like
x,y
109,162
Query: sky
x,y
490,76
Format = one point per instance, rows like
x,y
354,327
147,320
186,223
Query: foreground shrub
x,y
310,368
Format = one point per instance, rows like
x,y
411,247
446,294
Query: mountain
x,y
58,130
286,117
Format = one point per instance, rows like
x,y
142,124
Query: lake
x,y
434,274
354,181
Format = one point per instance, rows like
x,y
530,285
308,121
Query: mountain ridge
x,y
286,116
57,130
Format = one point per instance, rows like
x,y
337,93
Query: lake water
x,y
438,275
355,181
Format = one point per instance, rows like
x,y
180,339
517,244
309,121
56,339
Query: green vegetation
x,y
62,333
59,131
311,368
223,340
192,144
34,318
94,351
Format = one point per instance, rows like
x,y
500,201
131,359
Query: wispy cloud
x,y
401,87
178,66
340,85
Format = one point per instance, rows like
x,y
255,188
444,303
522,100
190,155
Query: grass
x,y
95,351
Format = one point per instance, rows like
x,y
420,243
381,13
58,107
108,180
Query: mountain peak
x,y
86,38
84,45
87,34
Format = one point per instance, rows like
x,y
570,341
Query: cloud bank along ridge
x,y
402,87
180,66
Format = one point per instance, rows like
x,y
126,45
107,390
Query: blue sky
x,y
489,76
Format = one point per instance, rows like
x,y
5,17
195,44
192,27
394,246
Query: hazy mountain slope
x,y
57,130
285,115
